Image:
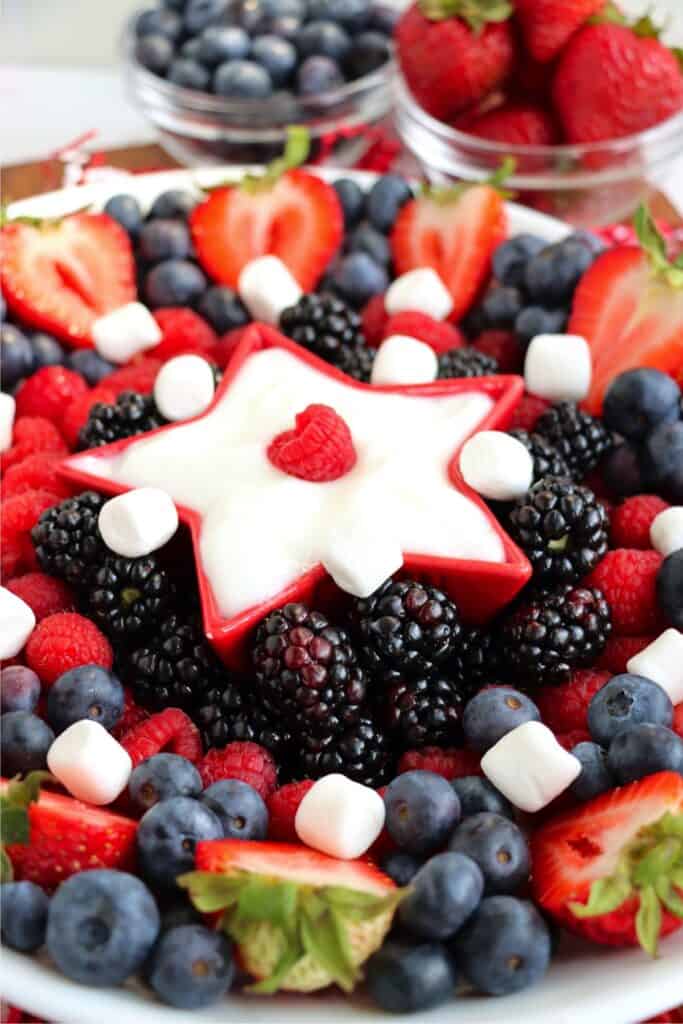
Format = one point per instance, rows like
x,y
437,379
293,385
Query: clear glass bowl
x,y
200,128
586,185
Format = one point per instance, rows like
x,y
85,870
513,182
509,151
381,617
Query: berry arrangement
x,y
377,789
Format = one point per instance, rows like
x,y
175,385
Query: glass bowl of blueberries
x,y
222,79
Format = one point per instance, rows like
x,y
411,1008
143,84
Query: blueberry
x,y
23,915
403,978
492,713
86,692
26,740
286,27
163,239
385,199
501,306
369,51
499,848
176,204
644,750
46,350
19,689
421,811
317,75
367,239
639,400
242,79
174,283
101,926
534,320
160,22
352,199
442,895
595,777
354,15
621,471
189,74
222,307
593,243
510,258
401,866
504,947
199,14
258,15
154,52
190,48
670,588
323,39
662,461
90,365
624,701
218,43
552,275
240,809
16,356
168,834
278,57
476,794
384,17
126,211
191,966
161,777
357,278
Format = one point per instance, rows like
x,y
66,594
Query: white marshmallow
x,y
666,532
184,387
404,360
530,767
662,661
90,763
420,291
17,622
340,817
120,335
496,465
138,522
359,561
558,367
7,409
267,288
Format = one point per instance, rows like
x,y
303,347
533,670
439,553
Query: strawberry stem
x,y
297,148
445,194
477,13
15,799
653,245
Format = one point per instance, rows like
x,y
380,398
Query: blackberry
x,y
67,539
407,626
307,672
229,714
328,327
553,633
466,362
131,414
361,753
547,459
580,439
475,662
422,712
129,595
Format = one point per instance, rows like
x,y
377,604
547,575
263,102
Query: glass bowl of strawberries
x,y
587,104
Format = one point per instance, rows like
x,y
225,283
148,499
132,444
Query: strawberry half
x,y
301,920
61,276
612,870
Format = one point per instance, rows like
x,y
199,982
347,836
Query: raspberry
x,y
183,331
35,473
319,449
677,723
628,580
48,392
619,650
282,807
571,738
12,553
452,763
246,761
132,715
32,434
227,346
44,594
20,513
529,410
76,414
373,321
439,335
631,521
169,730
138,377
504,347
565,707
64,641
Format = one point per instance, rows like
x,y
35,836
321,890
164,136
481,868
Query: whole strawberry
x,y
547,25
453,52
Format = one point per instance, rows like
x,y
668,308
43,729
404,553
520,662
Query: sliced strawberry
x,y
298,218
455,234
61,276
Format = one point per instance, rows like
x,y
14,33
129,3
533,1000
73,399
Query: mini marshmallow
x,y
530,767
558,367
17,622
138,522
420,291
120,335
90,763
662,661
7,409
404,360
496,465
359,561
184,387
340,817
267,288
666,531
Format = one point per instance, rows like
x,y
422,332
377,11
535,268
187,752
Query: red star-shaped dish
x,y
260,536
